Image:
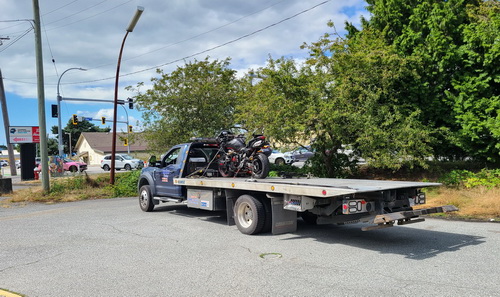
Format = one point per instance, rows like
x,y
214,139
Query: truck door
x,y
170,168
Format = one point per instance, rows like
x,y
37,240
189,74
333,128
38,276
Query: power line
x,y
86,18
59,8
200,52
195,36
210,49
15,40
71,15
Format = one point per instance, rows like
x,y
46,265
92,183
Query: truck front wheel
x,y
249,215
146,199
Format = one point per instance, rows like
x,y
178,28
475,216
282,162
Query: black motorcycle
x,y
239,159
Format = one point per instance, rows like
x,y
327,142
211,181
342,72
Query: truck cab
x,y
182,160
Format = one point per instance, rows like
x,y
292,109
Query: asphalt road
x,y
111,248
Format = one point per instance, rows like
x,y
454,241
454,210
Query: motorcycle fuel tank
x,y
236,144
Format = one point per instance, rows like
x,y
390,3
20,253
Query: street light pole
x,y
130,28
59,99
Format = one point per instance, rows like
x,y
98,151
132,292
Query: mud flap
x,y
284,221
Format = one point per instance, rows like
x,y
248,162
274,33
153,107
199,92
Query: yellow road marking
x,y
4,293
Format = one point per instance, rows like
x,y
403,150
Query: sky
x,y
88,34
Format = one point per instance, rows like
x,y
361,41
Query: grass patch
x,y
76,188
479,203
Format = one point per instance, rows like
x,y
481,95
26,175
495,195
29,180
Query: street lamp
x,y
59,99
130,28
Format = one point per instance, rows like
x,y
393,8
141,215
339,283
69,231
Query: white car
x,y
280,158
122,161
4,163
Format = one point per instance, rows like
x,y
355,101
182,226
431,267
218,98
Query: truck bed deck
x,y
314,187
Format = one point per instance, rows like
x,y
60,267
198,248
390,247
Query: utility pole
x,y
6,123
41,99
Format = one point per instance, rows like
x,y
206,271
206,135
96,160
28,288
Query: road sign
x,y
23,134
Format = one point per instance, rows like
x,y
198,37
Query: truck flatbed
x,y
314,187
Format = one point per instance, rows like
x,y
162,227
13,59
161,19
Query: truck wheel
x,y
105,167
127,167
249,215
260,166
146,199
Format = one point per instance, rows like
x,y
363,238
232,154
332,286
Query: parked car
x,y
302,154
122,161
74,166
280,158
68,165
18,164
4,163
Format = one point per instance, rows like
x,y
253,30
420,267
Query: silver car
x,y
122,161
280,158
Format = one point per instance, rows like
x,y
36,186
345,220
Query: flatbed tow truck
x,y
187,174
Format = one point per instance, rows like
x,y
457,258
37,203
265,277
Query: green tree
x,y
196,100
75,131
456,44
476,90
352,92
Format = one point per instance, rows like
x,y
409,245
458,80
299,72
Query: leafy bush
x,y
463,178
289,170
126,184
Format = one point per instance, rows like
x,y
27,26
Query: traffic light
x,y
75,119
55,113
125,142
130,103
103,120
130,129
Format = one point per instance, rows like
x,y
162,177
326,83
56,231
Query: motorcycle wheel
x,y
224,168
261,166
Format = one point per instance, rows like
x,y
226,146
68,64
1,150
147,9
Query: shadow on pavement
x,y
413,243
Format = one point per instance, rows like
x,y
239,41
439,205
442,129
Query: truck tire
x,y
249,215
105,167
128,167
261,166
146,199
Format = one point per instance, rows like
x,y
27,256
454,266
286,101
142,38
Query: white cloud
x,y
88,34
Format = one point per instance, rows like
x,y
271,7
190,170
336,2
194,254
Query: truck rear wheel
x,y
146,199
249,215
